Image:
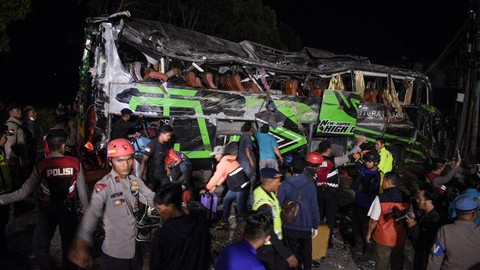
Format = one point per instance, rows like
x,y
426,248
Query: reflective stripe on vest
x,y
260,197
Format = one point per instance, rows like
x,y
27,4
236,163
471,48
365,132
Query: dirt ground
x,y
20,232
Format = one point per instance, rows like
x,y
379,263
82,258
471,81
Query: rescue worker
x,y
121,127
60,182
229,170
153,161
366,188
314,160
328,182
274,254
386,158
386,224
438,179
456,245
116,198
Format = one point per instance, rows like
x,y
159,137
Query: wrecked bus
x,y
206,88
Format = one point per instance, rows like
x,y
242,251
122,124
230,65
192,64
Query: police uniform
x,y
117,201
386,161
60,182
273,254
18,138
457,245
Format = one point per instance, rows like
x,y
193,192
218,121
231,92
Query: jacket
x,y
226,165
182,243
392,203
57,164
300,186
327,174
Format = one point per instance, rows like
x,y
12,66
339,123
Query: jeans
x,y
240,196
246,167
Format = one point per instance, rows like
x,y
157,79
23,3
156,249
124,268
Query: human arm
x,y
248,153
441,180
30,185
437,254
371,226
79,252
143,166
82,188
374,214
147,194
314,206
218,177
339,161
279,155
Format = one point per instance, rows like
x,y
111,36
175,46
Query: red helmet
x,y
172,158
119,147
315,158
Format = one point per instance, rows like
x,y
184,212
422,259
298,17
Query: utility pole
x,y
467,126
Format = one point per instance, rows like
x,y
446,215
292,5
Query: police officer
x,y
116,198
386,158
274,254
61,182
15,152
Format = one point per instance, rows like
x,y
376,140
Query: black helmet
x,y
372,156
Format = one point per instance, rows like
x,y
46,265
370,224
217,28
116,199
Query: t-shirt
x,y
375,209
245,142
156,152
266,143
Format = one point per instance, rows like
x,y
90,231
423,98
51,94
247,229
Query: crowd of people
x,y
444,233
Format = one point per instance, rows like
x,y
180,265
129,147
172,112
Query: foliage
x,y
234,20
10,11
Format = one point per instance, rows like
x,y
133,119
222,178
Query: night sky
x,y
46,48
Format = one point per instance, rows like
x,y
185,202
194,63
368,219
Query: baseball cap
x,y
269,173
126,111
466,203
218,150
12,106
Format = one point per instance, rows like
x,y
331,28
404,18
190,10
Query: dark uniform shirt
x,y
120,128
156,153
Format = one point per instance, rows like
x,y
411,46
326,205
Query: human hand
x,y
361,140
356,156
459,159
368,237
314,232
292,261
411,222
79,254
